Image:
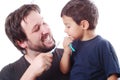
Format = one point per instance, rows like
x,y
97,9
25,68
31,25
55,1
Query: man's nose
x,y
45,29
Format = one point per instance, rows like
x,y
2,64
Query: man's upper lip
x,y
45,37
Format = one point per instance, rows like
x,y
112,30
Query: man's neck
x,y
30,56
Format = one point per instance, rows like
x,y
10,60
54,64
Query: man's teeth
x,y
48,38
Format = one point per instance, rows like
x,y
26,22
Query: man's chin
x,y
47,49
52,47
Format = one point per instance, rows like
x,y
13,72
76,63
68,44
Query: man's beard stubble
x,y
40,48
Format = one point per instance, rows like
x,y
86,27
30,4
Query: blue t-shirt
x,y
94,59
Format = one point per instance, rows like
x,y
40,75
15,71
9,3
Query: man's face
x,y
38,33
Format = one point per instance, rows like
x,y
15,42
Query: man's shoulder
x,y
12,69
59,50
10,66
58,53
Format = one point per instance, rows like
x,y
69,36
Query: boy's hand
x,y
67,41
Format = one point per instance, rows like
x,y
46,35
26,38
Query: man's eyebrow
x,y
38,24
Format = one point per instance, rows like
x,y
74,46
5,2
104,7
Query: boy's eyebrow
x,y
66,23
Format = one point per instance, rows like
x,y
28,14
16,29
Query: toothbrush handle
x,y
73,50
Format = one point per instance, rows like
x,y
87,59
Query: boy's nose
x,y
65,30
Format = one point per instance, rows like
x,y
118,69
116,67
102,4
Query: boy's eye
x,y
44,23
67,26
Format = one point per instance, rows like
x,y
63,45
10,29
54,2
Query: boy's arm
x,y
65,60
112,77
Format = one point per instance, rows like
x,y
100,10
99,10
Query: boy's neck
x,y
88,35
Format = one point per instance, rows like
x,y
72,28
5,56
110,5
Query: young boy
x,y
93,57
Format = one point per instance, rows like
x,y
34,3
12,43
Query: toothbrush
x,y
71,47
52,51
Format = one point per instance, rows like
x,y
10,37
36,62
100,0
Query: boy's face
x,y
72,28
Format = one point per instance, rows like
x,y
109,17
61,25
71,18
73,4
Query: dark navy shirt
x,y
15,70
94,59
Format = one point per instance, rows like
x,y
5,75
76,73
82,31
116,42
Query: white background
x,y
108,26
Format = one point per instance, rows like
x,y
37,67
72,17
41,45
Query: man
x,y
27,30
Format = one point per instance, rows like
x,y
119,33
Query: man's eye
x,y
36,28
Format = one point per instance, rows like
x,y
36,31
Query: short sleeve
x,y
109,60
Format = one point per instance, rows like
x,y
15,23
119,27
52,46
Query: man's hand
x,y
39,65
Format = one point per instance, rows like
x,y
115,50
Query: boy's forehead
x,y
67,19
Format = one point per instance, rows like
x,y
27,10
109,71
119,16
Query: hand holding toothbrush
x,y
67,45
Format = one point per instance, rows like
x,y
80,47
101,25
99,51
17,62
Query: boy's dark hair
x,y
80,10
13,27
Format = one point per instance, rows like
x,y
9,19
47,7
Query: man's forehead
x,y
33,17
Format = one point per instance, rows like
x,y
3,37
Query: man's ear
x,y
85,24
22,44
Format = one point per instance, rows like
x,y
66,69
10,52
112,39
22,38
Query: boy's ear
x,y
22,44
85,24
